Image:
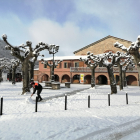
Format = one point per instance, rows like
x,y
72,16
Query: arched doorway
x,y
87,79
101,80
131,80
65,78
56,78
45,77
76,78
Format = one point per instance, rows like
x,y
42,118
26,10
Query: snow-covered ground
x,y
52,122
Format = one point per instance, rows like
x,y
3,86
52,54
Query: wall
x,y
103,46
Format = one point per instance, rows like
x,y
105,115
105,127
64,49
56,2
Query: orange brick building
x,y
70,68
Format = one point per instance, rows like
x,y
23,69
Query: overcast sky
x,y
71,24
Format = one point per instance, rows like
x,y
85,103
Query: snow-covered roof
x,y
65,57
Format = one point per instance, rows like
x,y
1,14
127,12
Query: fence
x,y
98,69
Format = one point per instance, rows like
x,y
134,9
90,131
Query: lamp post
x,y
52,50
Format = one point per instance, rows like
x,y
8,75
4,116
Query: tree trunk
x,y
120,77
31,71
13,74
93,77
0,75
137,60
138,68
53,70
124,78
10,71
112,79
25,74
51,73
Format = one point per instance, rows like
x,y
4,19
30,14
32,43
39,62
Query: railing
x,y
98,69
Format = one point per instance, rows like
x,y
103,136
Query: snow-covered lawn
x,y
52,122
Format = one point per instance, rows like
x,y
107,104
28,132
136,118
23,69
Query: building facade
x,y
70,69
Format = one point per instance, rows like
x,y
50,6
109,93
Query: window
x,y
65,65
76,77
45,65
76,64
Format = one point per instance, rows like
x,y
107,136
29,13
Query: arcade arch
x,y
45,77
101,80
56,78
131,80
76,78
65,78
87,79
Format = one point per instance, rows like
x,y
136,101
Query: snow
x,y
4,76
117,121
65,57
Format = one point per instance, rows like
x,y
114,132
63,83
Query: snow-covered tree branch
x,y
24,53
108,60
52,64
132,50
120,60
92,65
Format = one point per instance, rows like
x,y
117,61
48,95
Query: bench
x,y
48,84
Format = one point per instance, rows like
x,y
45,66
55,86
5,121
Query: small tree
x,y
121,59
108,60
3,65
1,68
92,65
53,49
51,65
15,64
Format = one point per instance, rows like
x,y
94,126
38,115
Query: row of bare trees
x,y
122,60
10,65
108,60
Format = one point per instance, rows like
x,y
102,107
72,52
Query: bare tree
x,y
108,60
129,65
132,50
15,63
1,68
24,53
121,59
51,65
92,65
53,49
3,65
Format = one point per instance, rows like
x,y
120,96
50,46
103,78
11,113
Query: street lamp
x,y
52,50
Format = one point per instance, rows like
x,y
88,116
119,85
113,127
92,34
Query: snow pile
x,y
29,101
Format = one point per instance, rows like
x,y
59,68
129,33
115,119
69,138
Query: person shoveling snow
x,y
38,87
